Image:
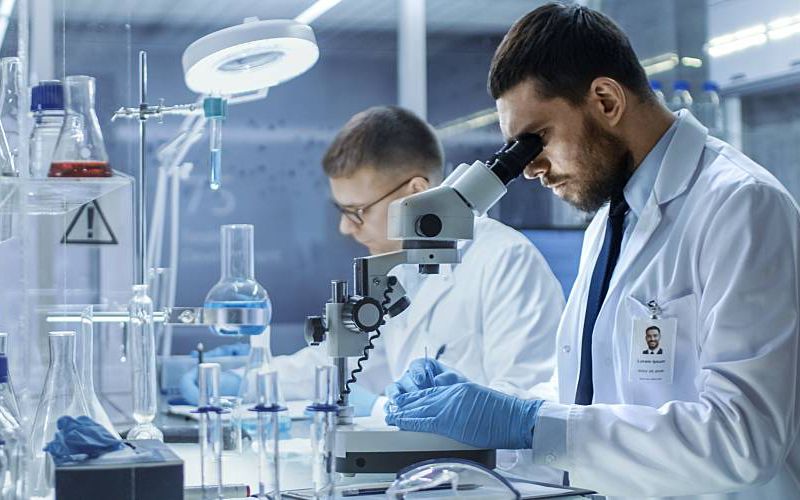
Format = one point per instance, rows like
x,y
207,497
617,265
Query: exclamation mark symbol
x,y
90,223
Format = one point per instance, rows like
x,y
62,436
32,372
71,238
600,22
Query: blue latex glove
x,y
362,400
423,374
241,349
469,413
228,385
79,439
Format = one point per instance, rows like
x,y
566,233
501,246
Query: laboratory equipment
x,y
13,454
237,304
62,394
9,397
708,109
451,479
681,97
268,409
10,85
232,426
215,110
143,362
429,224
210,431
80,150
159,280
658,89
85,365
47,107
323,430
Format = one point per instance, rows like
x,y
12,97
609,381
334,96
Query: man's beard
x,y
606,164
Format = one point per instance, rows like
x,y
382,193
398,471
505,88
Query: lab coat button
x,y
566,349
550,458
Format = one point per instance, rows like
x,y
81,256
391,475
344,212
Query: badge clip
x,y
655,310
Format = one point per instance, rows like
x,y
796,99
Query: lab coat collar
x,y
641,183
682,158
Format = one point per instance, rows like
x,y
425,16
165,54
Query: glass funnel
x,y
80,151
85,365
143,359
237,304
62,395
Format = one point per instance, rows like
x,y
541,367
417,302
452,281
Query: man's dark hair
x,y
562,48
389,139
653,328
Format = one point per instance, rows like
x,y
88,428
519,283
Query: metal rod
x,y
141,242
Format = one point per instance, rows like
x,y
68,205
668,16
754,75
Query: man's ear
x,y
608,100
418,184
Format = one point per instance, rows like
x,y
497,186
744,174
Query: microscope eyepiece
x,y
509,162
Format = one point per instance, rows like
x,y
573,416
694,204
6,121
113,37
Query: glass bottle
x,y
237,287
143,359
12,482
80,151
62,394
85,365
10,77
47,107
7,389
258,361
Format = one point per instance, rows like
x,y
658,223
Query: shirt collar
x,y
641,183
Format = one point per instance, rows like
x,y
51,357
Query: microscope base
x,y
370,446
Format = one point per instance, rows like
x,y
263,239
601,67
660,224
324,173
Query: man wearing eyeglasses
x,y
493,317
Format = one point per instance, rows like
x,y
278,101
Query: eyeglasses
x,y
356,215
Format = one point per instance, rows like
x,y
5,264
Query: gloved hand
x,y
469,413
240,349
424,373
78,439
362,400
228,385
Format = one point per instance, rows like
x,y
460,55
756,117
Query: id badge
x,y
652,348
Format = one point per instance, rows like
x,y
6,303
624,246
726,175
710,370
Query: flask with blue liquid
x,y
237,304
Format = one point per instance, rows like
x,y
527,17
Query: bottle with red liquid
x,y
80,150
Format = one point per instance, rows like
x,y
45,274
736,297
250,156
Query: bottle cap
x,y
709,86
656,85
681,85
3,369
48,95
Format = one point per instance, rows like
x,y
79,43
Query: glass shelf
x,y
54,196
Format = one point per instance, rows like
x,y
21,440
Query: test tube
x,y
268,409
323,431
210,431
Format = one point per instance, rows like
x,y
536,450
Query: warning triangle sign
x,y
89,227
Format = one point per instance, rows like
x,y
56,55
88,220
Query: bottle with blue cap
x,y
47,107
708,109
681,97
658,90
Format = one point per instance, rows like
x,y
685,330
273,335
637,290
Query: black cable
x,y
370,342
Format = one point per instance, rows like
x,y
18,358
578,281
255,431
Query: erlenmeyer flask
x,y
10,77
62,394
85,365
237,287
80,151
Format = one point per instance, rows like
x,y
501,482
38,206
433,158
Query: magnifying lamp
x,y
250,56
244,59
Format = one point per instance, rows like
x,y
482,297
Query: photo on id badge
x,y
652,351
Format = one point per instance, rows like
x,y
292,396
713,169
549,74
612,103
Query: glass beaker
x,y
143,359
450,478
85,365
80,151
10,77
62,394
237,288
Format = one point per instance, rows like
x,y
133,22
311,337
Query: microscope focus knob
x,y
429,226
315,330
363,314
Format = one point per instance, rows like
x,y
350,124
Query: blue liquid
x,y
216,169
239,304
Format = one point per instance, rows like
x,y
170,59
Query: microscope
x,y
429,224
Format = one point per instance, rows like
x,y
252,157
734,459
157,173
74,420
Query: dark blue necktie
x,y
601,277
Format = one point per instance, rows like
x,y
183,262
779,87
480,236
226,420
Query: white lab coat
x,y
496,313
718,246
